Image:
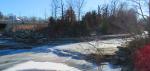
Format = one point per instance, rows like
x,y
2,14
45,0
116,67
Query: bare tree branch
x,y
62,9
138,3
80,4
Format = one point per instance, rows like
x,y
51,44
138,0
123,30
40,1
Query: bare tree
x,y
71,3
149,10
70,15
80,4
1,15
113,5
54,8
139,6
62,9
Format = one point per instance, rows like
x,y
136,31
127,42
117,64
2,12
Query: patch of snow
x,y
108,67
88,47
32,65
145,34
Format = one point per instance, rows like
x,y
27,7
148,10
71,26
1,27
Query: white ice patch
x,y
32,65
108,67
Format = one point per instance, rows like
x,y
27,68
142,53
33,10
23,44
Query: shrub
x,y
130,57
142,59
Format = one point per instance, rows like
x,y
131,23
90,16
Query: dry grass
x,y
29,27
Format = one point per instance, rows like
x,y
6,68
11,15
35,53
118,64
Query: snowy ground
x,y
68,57
32,65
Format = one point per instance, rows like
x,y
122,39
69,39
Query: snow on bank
x,y
32,65
109,46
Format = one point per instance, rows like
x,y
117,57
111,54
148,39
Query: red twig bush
x,y
142,59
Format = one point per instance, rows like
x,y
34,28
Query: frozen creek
x,y
67,57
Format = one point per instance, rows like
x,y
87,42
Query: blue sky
x,y
38,8
24,7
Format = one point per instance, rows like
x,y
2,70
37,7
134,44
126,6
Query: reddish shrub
x,y
142,59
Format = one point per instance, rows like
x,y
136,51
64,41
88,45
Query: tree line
x,y
114,18
68,20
